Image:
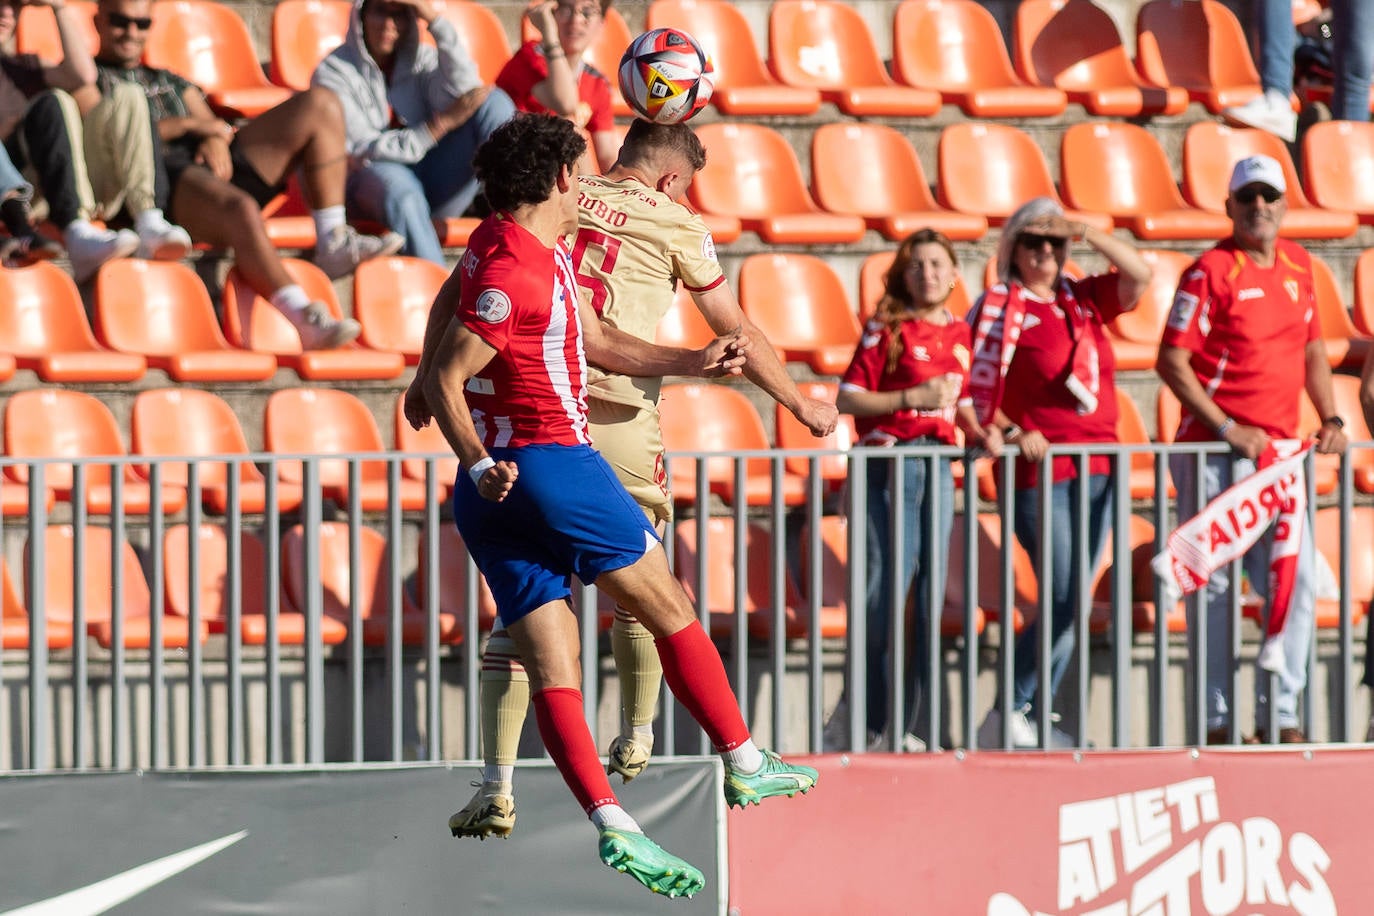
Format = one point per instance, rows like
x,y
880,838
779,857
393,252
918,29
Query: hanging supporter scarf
x,y
1232,522
1000,319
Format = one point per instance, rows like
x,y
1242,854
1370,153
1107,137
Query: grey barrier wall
x,y
360,668
351,841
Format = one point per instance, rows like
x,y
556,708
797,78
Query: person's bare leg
x,y
305,131
219,214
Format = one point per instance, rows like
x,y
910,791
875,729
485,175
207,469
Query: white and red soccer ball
x,y
665,77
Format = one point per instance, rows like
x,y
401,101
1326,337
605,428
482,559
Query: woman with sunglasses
x,y
908,373
1043,372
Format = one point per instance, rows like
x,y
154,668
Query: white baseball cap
x,y
1257,170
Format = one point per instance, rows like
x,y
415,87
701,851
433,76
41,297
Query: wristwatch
x,y
1335,421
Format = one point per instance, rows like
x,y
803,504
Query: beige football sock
x,y
505,692
640,672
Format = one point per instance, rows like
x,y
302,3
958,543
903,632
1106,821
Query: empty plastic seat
x,y
873,171
1135,335
250,321
991,169
873,281
188,421
1130,430
15,619
1346,390
716,418
14,498
323,421
683,324
1363,309
798,301
161,309
1345,345
453,580
791,433
988,599
213,587
43,323
1338,165
1074,45
55,423
1326,468
780,209
826,46
956,48
134,612
481,31
36,30
743,86
374,571
1142,581
210,45
719,563
391,300
1199,47
303,34
1120,169
426,439
1210,152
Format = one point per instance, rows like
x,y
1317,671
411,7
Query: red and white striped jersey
x,y
521,298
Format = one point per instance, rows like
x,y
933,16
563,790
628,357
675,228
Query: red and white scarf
x,y
1000,318
1232,522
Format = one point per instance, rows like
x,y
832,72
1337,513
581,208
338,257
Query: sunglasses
x,y
588,13
1027,240
1247,195
120,21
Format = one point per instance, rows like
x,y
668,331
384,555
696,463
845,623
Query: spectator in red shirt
x,y
1043,371
1242,342
909,370
552,75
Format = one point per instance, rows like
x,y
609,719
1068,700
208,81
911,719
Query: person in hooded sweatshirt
x,y
414,116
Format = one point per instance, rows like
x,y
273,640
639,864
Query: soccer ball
x,y
665,76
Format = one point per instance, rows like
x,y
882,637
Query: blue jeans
x,y
1065,549
1217,476
406,197
916,524
1352,23
1278,40
12,184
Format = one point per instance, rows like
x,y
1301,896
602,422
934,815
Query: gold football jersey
x,y
633,245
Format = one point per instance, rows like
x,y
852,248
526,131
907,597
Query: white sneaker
x,y
912,745
344,249
91,248
1270,111
1369,735
320,330
1024,733
159,240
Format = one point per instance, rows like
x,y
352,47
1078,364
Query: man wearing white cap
x,y
1242,342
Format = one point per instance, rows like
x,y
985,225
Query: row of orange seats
x,y
943,52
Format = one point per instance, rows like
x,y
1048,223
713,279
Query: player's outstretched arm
x,y
612,349
441,313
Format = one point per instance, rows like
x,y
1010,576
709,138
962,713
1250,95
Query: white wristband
x,y
480,468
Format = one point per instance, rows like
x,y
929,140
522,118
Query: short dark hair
x,y
644,138
519,163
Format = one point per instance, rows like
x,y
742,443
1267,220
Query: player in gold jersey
x,y
634,244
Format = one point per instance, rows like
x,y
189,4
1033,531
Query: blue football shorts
x,y
567,515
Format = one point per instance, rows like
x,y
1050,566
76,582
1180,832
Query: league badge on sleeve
x,y
493,306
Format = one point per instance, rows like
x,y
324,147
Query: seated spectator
x,y
414,115
41,128
220,175
25,246
551,75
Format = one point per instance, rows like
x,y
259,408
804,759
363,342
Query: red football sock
x,y
558,710
694,672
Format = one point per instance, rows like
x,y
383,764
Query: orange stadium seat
x,y
251,322
719,562
161,309
303,34
15,618
428,439
209,44
1199,47
834,579
60,578
453,580
825,45
1168,414
1120,169
956,48
792,434
212,565
1074,45
988,601
798,301
8,366
743,86
36,30
873,282
708,417
991,169
373,569
14,498
683,324
1130,430
1211,150
1363,311
1327,468
780,210
391,300
43,323
325,421
1346,390
1338,165
873,170
56,423
1328,537
1143,609
1345,345
481,31
287,218
191,422
1135,335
